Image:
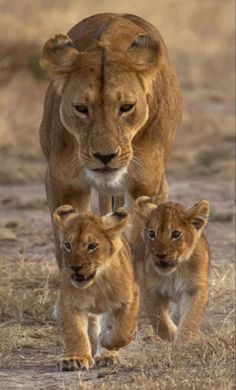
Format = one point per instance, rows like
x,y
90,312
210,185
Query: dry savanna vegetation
x,y
200,38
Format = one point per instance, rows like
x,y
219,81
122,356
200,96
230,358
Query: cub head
x,y
170,231
105,100
88,242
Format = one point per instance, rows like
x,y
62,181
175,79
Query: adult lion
x,y
110,113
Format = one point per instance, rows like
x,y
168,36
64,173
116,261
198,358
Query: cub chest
x,y
171,286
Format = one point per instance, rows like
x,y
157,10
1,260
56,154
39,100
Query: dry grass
x,y
26,331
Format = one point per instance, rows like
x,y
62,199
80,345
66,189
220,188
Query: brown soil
x,y
200,37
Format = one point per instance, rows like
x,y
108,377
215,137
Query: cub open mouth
x,y
166,264
83,278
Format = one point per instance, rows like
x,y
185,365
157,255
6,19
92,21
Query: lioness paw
x,y
146,334
74,363
148,337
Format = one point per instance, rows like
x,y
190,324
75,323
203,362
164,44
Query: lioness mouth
x,y
106,170
83,278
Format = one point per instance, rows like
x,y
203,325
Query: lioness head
x,y
104,99
88,242
170,231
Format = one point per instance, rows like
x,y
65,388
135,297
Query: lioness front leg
x,y
192,308
56,197
78,350
120,325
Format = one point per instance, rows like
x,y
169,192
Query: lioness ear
x,y
199,214
144,50
115,222
58,57
143,207
62,213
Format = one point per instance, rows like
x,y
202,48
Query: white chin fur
x,y
107,182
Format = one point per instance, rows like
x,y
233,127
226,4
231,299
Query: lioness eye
x,y
67,246
175,234
81,109
126,108
151,234
91,247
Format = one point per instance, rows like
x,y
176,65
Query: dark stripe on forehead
x,y
103,70
103,78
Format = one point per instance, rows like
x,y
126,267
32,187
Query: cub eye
x,y
82,109
67,246
175,234
151,234
91,247
126,107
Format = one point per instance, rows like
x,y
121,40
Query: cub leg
x,y
166,328
105,357
120,325
93,331
192,308
158,314
78,350
145,327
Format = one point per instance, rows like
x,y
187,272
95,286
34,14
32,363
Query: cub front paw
x,y
74,363
110,342
107,358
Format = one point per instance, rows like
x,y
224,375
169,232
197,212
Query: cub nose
x,y
105,158
76,269
161,256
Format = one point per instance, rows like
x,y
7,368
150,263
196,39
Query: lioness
x,y
172,264
96,278
110,112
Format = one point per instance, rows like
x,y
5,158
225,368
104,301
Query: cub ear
x,y
58,58
62,213
116,222
199,214
144,50
143,207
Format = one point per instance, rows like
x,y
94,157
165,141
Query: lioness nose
x,y
161,256
76,269
105,158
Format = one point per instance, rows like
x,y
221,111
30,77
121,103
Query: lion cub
x,y
96,278
172,265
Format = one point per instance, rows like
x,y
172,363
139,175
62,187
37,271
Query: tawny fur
x,y
112,290
105,62
171,269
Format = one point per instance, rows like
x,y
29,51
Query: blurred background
x,y
200,39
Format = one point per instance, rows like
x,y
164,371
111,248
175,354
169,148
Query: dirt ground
x,y
200,38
